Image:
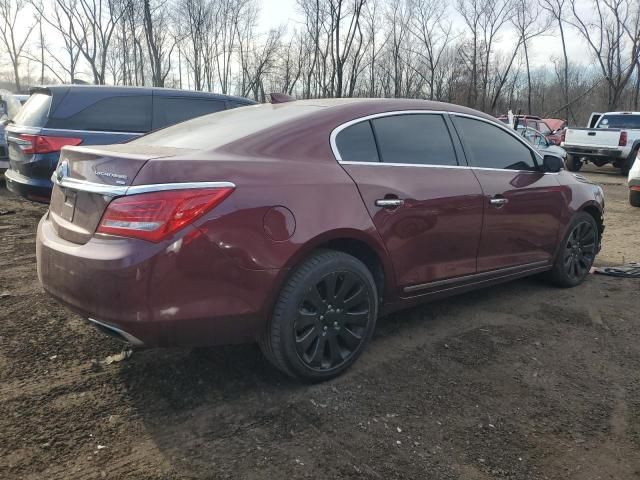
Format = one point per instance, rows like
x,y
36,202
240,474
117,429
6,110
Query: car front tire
x,y
634,198
324,317
577,252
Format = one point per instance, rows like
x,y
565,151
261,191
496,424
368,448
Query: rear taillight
x,y
154,216
44,143
623,139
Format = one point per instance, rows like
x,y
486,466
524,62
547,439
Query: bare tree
x,y
159,40
13,38
433,33
555,8
92,25
526,20
612,35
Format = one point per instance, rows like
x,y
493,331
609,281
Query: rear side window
x,y
415,139
35,111
488,146
620,121
357,144
170,110
129,113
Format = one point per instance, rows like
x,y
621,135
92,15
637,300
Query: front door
x,y
426,207
523,205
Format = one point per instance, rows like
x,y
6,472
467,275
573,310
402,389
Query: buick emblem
x,y
62,170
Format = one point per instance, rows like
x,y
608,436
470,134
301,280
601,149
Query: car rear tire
x,y
634,198
577,252
573,163
324,317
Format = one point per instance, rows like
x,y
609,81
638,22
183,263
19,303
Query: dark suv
x,y
61,115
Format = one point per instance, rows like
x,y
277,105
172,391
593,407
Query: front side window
x,y
357,144
414,139
488,146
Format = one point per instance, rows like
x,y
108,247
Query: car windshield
x,y
620,121
216,129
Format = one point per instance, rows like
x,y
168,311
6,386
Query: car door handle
x,y
498,202
389,202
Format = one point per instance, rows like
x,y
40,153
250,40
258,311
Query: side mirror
x,y
552,164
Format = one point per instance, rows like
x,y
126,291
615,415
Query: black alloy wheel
x,y
332,320
324,317
580,250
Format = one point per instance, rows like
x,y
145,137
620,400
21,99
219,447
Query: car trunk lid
x,y
88,178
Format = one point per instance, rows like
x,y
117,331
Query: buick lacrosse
x,y
295,225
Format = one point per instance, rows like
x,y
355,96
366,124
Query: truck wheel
x,y
634,198
573,163
324,318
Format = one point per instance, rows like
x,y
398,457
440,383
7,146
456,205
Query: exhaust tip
x,y
116,333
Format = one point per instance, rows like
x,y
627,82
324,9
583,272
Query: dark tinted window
x,y
34,112
620,121
170,110
114,114
488,146
419,139
356,143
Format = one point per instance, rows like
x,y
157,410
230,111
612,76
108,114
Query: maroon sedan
x,y
296,225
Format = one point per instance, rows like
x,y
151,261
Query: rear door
x,y
427,209
523,206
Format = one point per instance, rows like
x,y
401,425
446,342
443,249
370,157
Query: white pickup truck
x,y
615,139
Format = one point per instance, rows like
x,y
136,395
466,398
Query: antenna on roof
x,y
281,98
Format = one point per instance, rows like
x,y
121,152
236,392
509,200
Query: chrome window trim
x,y
424,165
119,191
339,128
111,132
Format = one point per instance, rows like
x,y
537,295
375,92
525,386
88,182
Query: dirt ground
x,y
525,381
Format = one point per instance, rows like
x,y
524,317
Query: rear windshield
x,y
211,131
35,111
620,121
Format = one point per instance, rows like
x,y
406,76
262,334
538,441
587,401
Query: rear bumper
x,y
186,292
32,188
593,152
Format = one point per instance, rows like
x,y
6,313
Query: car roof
x,y
119,89
380,105
310,120
621,113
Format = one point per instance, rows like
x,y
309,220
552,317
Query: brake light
x,y
44,143
154,216
623,139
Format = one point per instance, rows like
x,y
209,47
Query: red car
x,y
296,225
551,128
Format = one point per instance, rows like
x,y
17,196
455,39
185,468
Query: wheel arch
x,y
595,210
363,245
